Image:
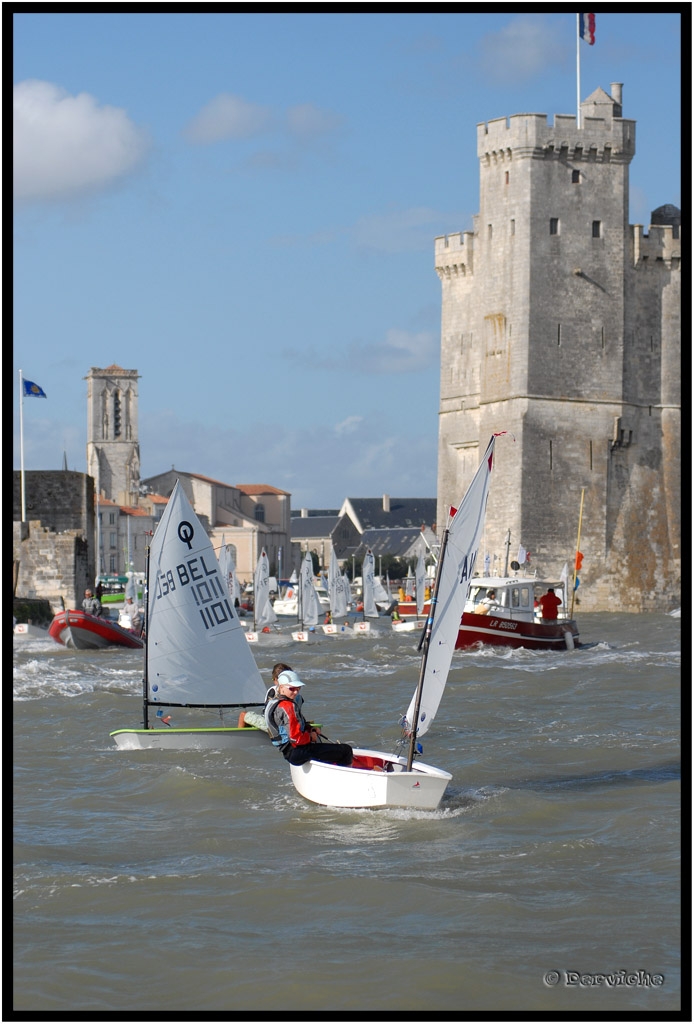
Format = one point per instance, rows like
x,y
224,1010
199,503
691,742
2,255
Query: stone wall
x,y
52,566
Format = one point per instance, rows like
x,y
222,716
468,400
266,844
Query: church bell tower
x,y
113,449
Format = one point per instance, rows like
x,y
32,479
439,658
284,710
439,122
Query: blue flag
x,y
33,389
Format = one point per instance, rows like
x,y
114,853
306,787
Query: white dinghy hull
x,y
189,739
333,785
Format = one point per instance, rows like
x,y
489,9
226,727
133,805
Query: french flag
x,y
586,27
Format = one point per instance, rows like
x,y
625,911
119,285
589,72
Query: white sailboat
x,y
309,605
398,781
337,589
196,654
263,612
415,622
227,564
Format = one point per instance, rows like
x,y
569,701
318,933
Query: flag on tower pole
x,y
26,387
585,29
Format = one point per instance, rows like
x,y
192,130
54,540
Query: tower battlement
x,y
603,133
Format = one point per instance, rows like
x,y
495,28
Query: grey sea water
x,y
200,882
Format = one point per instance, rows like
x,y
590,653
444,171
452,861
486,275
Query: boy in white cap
x,y
290,731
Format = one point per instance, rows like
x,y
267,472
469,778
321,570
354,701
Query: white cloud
x,y
349,425
399,352
307,121
228,117
66,146
527,46
399,230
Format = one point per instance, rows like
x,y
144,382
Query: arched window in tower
x,y
127,430
116,414
104,415
260,513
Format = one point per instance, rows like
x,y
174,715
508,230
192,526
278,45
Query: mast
x,y
508,547
21,446
145,673
424,646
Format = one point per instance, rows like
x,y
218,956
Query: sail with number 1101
x,y
196,653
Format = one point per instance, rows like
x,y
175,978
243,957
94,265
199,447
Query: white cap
x,y
288,678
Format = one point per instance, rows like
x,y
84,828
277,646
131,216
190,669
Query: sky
x,y
243,207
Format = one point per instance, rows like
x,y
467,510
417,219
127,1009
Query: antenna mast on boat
x,y
508,547
424,646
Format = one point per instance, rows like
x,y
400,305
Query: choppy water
x,y
194,882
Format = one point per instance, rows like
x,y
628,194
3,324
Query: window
x,y
575,177
597,229
112,540
112,564
554,225
513,227
259,513
111,518
506,178
489,232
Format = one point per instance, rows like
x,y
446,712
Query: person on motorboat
x,y
487,603
298,740
132,612
549,604
91,605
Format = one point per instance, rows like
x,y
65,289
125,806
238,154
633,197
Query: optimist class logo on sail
x,y
205,584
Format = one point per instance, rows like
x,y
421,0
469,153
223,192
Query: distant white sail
x,y
380,592
228,566
310,605
197,652
264,613
456,571
420,575
336,588
367,575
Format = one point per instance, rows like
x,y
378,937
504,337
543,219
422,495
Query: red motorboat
x,y
504,612
85,632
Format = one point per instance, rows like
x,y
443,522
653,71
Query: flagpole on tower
x,y
21,446
578,71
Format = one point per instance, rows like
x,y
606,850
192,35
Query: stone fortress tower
x,y
113,450
561,325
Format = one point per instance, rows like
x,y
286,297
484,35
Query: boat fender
x,y
569,640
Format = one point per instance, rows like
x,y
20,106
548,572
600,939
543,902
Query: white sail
x,y
448,602
380,593
420,575
227,564
336,588
367,576
264,613
310,605
197,652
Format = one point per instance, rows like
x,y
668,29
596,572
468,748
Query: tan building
x,y
249,517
